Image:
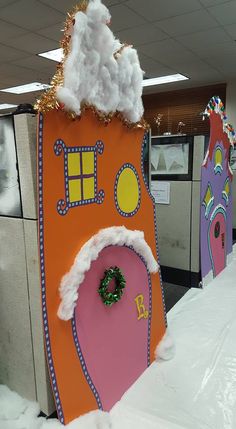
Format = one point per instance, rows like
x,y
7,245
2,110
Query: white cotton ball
x,y
11,404
17,412
29,419
104,94
98,12
92,74
51,424
85,264
93,253
74,67
64,315
7,424
130,80
66,97
166,348
93,420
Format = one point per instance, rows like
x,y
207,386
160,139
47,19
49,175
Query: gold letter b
x,y
142,312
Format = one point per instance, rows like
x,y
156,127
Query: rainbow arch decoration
x,y
216,195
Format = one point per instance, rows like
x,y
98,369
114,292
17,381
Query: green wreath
x,y
110,298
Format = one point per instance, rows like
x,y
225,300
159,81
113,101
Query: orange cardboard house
x,y
103,307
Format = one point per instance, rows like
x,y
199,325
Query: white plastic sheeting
x,y
197,389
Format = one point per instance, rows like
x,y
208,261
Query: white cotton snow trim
x,y
19,413
11,404
93,420
95,72
113,236
166,348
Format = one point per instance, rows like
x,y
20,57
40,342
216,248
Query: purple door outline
x,y
217,236
110,341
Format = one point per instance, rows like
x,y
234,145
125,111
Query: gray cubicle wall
x,y
22,359
178,226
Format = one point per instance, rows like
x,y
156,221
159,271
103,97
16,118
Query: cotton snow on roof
x,y
99,70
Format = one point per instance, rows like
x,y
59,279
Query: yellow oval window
x,y
127,191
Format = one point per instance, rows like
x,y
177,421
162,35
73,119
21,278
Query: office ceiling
x,y
192,37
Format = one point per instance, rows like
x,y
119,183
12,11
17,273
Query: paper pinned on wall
x,y
161,192
233,159
174,154
170,158
155,156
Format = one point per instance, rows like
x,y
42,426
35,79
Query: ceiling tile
x,y
207,3
154,10
67,5
198,69
10,54
20,99
9,31
16,99
24,80
153,68
33,43
30,14
54,32
37,63
188,23
63,6
225,63
210,77
167,51
6,2
224,13
122,17
11,70
112,2
231,30
140,35
204,38
170,87
204,51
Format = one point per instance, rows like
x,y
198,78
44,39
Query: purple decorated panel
x,y
216,202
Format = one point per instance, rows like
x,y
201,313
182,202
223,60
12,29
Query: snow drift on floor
x,y
19,413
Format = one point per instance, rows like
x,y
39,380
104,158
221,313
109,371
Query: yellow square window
x,y
74,164
75,190
89,188
88,162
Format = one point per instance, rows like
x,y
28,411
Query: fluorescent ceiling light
x,y
6,106
29,87
54,55
164,79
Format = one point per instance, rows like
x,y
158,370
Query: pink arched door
x,y
217,241
113,342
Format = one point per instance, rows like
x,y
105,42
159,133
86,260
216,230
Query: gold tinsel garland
x,y
48,101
